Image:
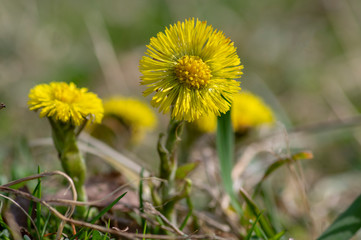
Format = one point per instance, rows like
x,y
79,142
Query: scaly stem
x,y
168,165
72,161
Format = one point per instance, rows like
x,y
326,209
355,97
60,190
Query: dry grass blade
x,y
100,228
71,208
91,145
112,156
150,209
25,212
95,202
105,53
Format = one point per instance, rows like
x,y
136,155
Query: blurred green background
x,y
302,57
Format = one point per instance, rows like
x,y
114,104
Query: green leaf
x,y
225,150
249,235
278,235
45,225
189,214
256,212
107,208
144,229
97,235
102,212
346,224
185,169
306,155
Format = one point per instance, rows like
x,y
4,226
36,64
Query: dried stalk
x,y
66,218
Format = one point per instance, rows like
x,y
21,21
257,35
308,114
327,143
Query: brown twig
x,y
24,211
59,215
208,220
148,207
70,210
100,228
74,203
89,203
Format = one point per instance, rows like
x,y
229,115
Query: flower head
x,y
66,103
132,112
191,69
206,124
248,111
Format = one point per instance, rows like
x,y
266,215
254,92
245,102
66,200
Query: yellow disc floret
x,y
65,102
192,71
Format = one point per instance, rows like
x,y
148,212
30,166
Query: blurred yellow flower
x,y
206,123
191,69
132,112
66,103
248,110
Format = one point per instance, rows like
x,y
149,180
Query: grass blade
x,y
38,205
189,214
346,224
107,208
140,195
45,225
183,171
31,206
102,212
255,210
249,235
144,229
278,235
225,150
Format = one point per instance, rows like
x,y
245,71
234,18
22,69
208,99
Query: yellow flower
x,y
248,111
206,124
66,103
191,68
132,112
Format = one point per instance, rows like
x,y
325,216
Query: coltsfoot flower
x,y
248,111
66,103
133,113
191,69
205,124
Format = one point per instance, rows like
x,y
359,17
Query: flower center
x,y
66,96
192,71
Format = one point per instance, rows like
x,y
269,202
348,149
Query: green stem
x,y
190,136
169,204
167,152
174,131
189,214
168,166
72,161
74,165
